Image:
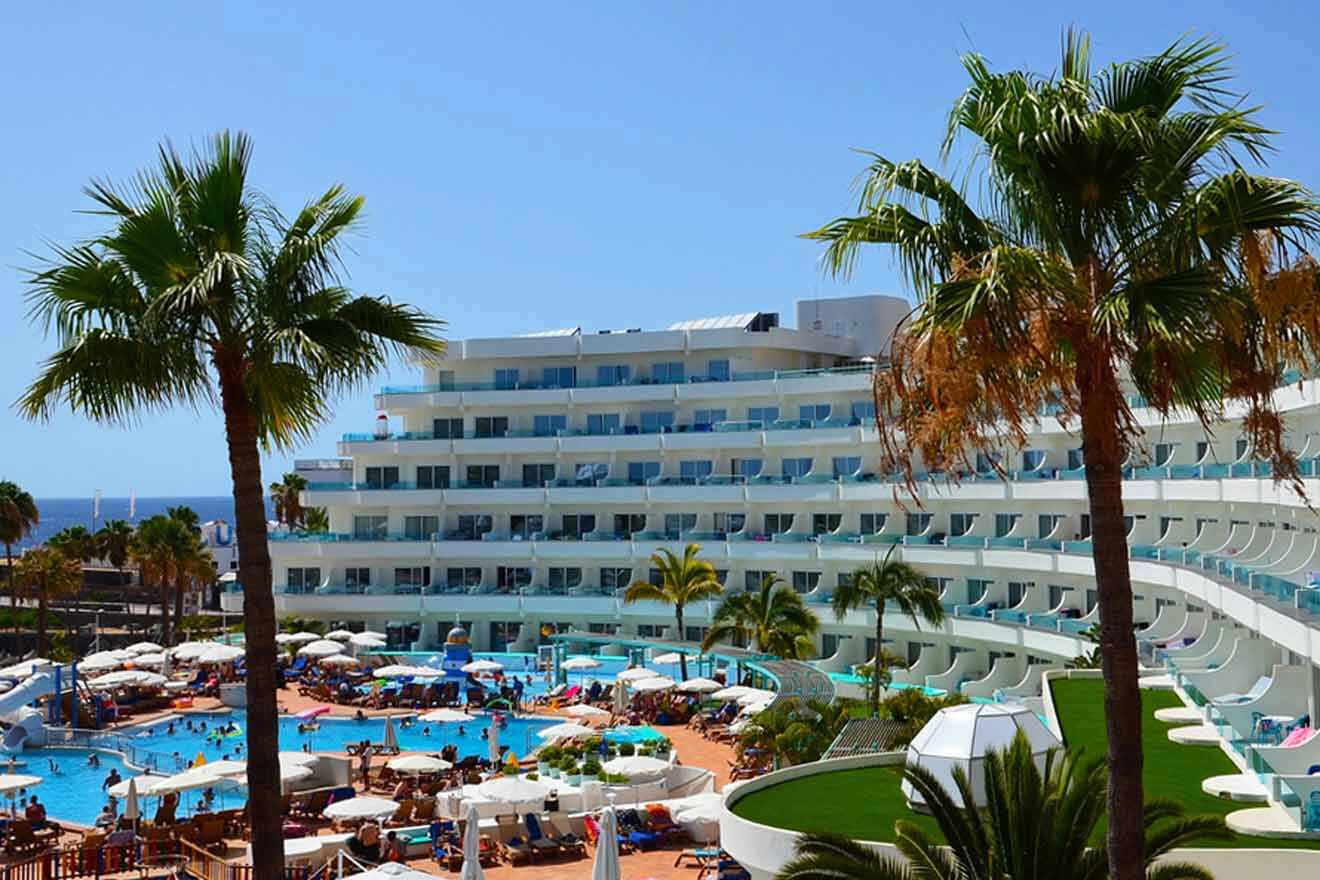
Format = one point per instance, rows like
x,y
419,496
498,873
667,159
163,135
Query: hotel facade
x,y
528,480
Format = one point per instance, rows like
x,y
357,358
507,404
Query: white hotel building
x,y
529,479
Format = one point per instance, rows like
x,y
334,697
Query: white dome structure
x,y
959,736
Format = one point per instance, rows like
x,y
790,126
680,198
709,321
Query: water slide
x,y
14,700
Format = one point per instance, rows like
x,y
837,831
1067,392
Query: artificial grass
x,y
865,803
862,804
1172,770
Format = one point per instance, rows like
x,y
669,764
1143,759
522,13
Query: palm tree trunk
x,y
13,594
1103,455
164,610
263,770
875,661
179,586
42,647
682,655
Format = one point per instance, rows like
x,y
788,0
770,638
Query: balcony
x,y
760,376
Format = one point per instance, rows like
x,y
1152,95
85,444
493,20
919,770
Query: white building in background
x,y
528,480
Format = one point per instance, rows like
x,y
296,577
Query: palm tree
x,y
186,515
201,293
682,580
112,543
18,517
156,547
316,520
1036,826
878,585
1118,238
286,498
774,619
74,542
48,573
795,732
192,560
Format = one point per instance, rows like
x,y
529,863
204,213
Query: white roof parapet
x,y
739,321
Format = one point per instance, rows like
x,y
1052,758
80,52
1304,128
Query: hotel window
x,y
814,412
492,426
483,475
432,476
746,467
862,412
412,578
796,467
730,522
356,579
960,523
627,523
382,477
695,469
641,471
590,473
506,379
537,475
575,525
559,377
1016,591
560,579
503,633
847,466
1004,523
1164,454
1046,522
718,370
678,523
524,525
763,415
512,577
420,528
829,644
370,528
607,629
1075,459
778,523
977,589
655,577
447,429
843,579
445,379
805,581
987,462
1202,450
1241,447
695,633
463,577
669,371
873,523
708,417
917,523
1085,531
471,526
825,523
753,578
1032,459
612,578
613,374
303,580
1056,595
549,426
649,631
657,421
602,423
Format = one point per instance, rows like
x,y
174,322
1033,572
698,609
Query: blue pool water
x,y
524,666
633,735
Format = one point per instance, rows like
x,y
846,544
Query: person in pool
x,y
54,767
93,760
426,731
360,716
461,731
113,778
170,729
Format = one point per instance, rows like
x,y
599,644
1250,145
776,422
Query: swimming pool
x,y
634,735
524,666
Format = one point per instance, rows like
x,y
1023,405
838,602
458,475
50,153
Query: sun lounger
x,y
536,838
564,836
1262,684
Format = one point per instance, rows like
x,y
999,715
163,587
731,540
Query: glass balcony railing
x,y
582,382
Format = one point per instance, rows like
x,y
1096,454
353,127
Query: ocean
x,y
60,513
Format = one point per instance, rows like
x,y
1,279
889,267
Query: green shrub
x,y
533,776
550,754
591,767
627,749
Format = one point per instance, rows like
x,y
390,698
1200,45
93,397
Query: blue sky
x,y
530,166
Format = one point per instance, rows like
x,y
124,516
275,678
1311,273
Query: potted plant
x,y
663,746
572,772
547,757
646,750
627,749
533,776
591,769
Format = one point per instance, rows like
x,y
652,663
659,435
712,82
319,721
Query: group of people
x,y
366,844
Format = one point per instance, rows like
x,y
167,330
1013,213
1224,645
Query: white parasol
x,y
699,686
476,667
446,716
653,685
321,648
417,764
565,731
361,807
636,673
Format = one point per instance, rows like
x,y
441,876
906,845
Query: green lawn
x,y
1171,770
865,803
861,803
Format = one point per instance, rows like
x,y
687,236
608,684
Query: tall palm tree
x,y
877,586
18,517
192,561
286,498
774,619
74,542
186,515
201,293
684,579
112,543
1116,238
156,547
1035,826
46,574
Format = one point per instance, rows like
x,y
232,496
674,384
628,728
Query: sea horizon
x,y
61,513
